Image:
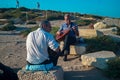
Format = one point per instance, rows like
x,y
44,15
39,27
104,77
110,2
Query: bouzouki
x,y
62,35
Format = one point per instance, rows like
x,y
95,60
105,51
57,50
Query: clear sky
x,y
110,8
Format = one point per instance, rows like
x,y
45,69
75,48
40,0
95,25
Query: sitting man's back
x,y
41,46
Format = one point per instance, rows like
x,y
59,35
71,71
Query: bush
x,y
83,22
59,17
54,30
26,32
118,32
113,69
8,27
101,43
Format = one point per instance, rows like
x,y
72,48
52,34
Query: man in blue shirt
x,y
70,38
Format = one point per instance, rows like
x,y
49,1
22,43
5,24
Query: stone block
x,y
100,25
97,59
55,74
89,33
77,49
112,30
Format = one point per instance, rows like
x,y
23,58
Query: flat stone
x,y
112,30
54,74
100,25
76,49
97,59
89,33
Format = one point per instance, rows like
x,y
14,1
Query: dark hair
x,y
67,15
46,22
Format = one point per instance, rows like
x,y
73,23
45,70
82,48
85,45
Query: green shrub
x,y
54,30
83,22
6,16
101,43
58,17
118,31
8,27
26,32
113,69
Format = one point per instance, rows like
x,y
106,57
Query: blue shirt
x,y
65,26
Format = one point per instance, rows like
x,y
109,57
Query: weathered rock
x,y
77,49
112,30
110,21
97,59
55,74
89,33
100,25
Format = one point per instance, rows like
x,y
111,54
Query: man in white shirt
x,y
41,46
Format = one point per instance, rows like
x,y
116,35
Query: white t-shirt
x,y
37,46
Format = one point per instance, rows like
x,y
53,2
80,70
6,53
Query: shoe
x,y
61,54
65,58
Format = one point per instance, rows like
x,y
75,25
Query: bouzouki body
x,y
62,35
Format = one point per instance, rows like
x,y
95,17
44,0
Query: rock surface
x,y
89,33
100,25
110,21
97,59
55,74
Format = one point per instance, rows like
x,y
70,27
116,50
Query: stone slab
x,y
54,74
112,30
97,59
77,49
89,33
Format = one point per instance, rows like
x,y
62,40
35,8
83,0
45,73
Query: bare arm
x,y
58,50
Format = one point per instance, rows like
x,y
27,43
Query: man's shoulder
x,y
63,23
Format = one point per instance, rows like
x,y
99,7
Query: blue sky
x,y
108,8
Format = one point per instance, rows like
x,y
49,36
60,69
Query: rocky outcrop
x,y
76,49
110,21
112,30
89,33
97,59
100,25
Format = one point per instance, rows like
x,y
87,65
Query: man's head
x,y
67,18
45,24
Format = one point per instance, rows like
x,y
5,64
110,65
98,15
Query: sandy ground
x,y
13,54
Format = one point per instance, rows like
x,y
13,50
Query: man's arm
x,y
58,50
76,31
